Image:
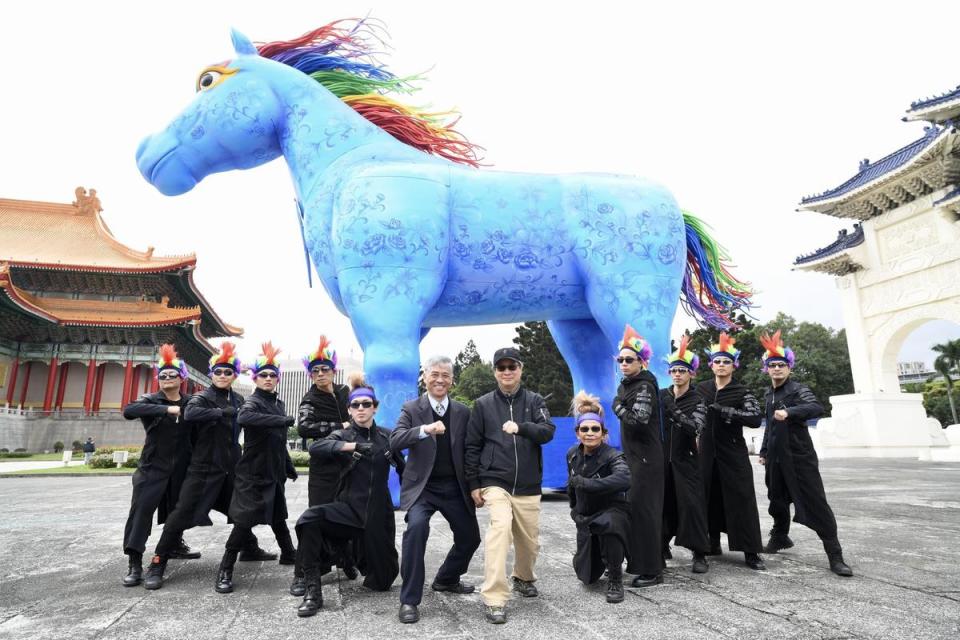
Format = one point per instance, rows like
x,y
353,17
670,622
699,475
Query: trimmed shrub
x,y
4,450
19,450
15,454
76,446
102,462
300,458
132,462
110,450
58,447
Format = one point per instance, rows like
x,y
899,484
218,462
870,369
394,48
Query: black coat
x,y
162,466
363,506
265,464
598,506
724,458
319,415
685,507
494,458
792,469
423,452
209,481
638,407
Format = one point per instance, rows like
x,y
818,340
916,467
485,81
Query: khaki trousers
x,y
516,520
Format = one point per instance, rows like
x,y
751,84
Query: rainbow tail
x,y
710,293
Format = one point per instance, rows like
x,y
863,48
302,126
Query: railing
x,y
66,414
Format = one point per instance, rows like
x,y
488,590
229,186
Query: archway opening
x,y
928,362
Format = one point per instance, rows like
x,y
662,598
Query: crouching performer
x,y
599,478
361,515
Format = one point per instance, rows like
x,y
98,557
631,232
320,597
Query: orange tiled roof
x,y
112,313
72,237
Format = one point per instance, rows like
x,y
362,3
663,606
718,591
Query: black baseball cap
x,y
507,353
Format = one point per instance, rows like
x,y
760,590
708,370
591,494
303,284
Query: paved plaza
x,y
60,570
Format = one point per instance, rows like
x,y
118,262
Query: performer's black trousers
x,y
443,496
240,536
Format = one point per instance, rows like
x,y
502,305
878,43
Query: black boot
x,y
256,554
183,552
835,556
699,563
754,561
288,552
779,540
225,573
299,586
615,587
715,549
134,570
312,598
154,577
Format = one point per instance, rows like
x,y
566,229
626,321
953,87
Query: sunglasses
x,y
223,372
626,359
590,429
776,365
507,367
266,375
723,361
679,370
168,376
361,405
321,369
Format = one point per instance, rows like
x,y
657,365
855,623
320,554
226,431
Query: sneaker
x,y
496,615
525,588
154,578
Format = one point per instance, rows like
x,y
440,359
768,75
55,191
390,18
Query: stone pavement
x,y
61,564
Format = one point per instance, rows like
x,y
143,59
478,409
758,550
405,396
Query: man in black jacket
x,y
163,461
503,466
433,427
792,468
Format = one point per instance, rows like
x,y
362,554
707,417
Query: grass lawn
x,y
42,457
87,471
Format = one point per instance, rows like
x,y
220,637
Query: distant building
x,y
912,372
81,317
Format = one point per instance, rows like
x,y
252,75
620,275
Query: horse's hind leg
x,y
589,355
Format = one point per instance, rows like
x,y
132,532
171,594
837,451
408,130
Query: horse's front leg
x,y
391,240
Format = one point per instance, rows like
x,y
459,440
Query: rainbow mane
x,y
774,350
635,342
170,360
340,56
227,356
725,348
323,352
684,355
267,358
710,292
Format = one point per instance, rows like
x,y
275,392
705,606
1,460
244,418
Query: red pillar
x,y
98,391
154,383
26,383
12,384
125,389
88,388
183,387
62,385
134,384
51,381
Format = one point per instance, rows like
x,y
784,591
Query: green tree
x,y
474,381
468,356
544,369
947,364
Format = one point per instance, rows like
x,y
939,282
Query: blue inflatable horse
x,y
406,235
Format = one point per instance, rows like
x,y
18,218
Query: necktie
x,y
440,409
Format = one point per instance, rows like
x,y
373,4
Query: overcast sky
x,y
739,110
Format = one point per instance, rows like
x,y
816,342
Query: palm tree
x,y
946,364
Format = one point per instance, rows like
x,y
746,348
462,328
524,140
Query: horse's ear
x,y
242,44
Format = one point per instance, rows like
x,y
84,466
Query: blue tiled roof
x,y
871,171
843,242
950,196
929,102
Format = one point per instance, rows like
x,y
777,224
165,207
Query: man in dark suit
x,y
433,427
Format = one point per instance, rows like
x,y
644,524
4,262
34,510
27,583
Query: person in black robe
x,y
322,411
724,460
264,466
597,485
637,404
361,515
792,467
208,484
684,505
163,462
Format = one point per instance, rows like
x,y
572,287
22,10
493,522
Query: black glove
x,y
618,409
289,421
292,474
575,481
726,412
364,448
229,411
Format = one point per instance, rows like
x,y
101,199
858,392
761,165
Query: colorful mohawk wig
x,y
169,360
266,360
226,358
341,57
775,351
725,348
635,342
710,292
323,354
684,357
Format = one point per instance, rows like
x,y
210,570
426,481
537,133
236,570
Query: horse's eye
x,y
208,79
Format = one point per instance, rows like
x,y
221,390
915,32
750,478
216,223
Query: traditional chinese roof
x,y
74,237
921,167
937,109
835,258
